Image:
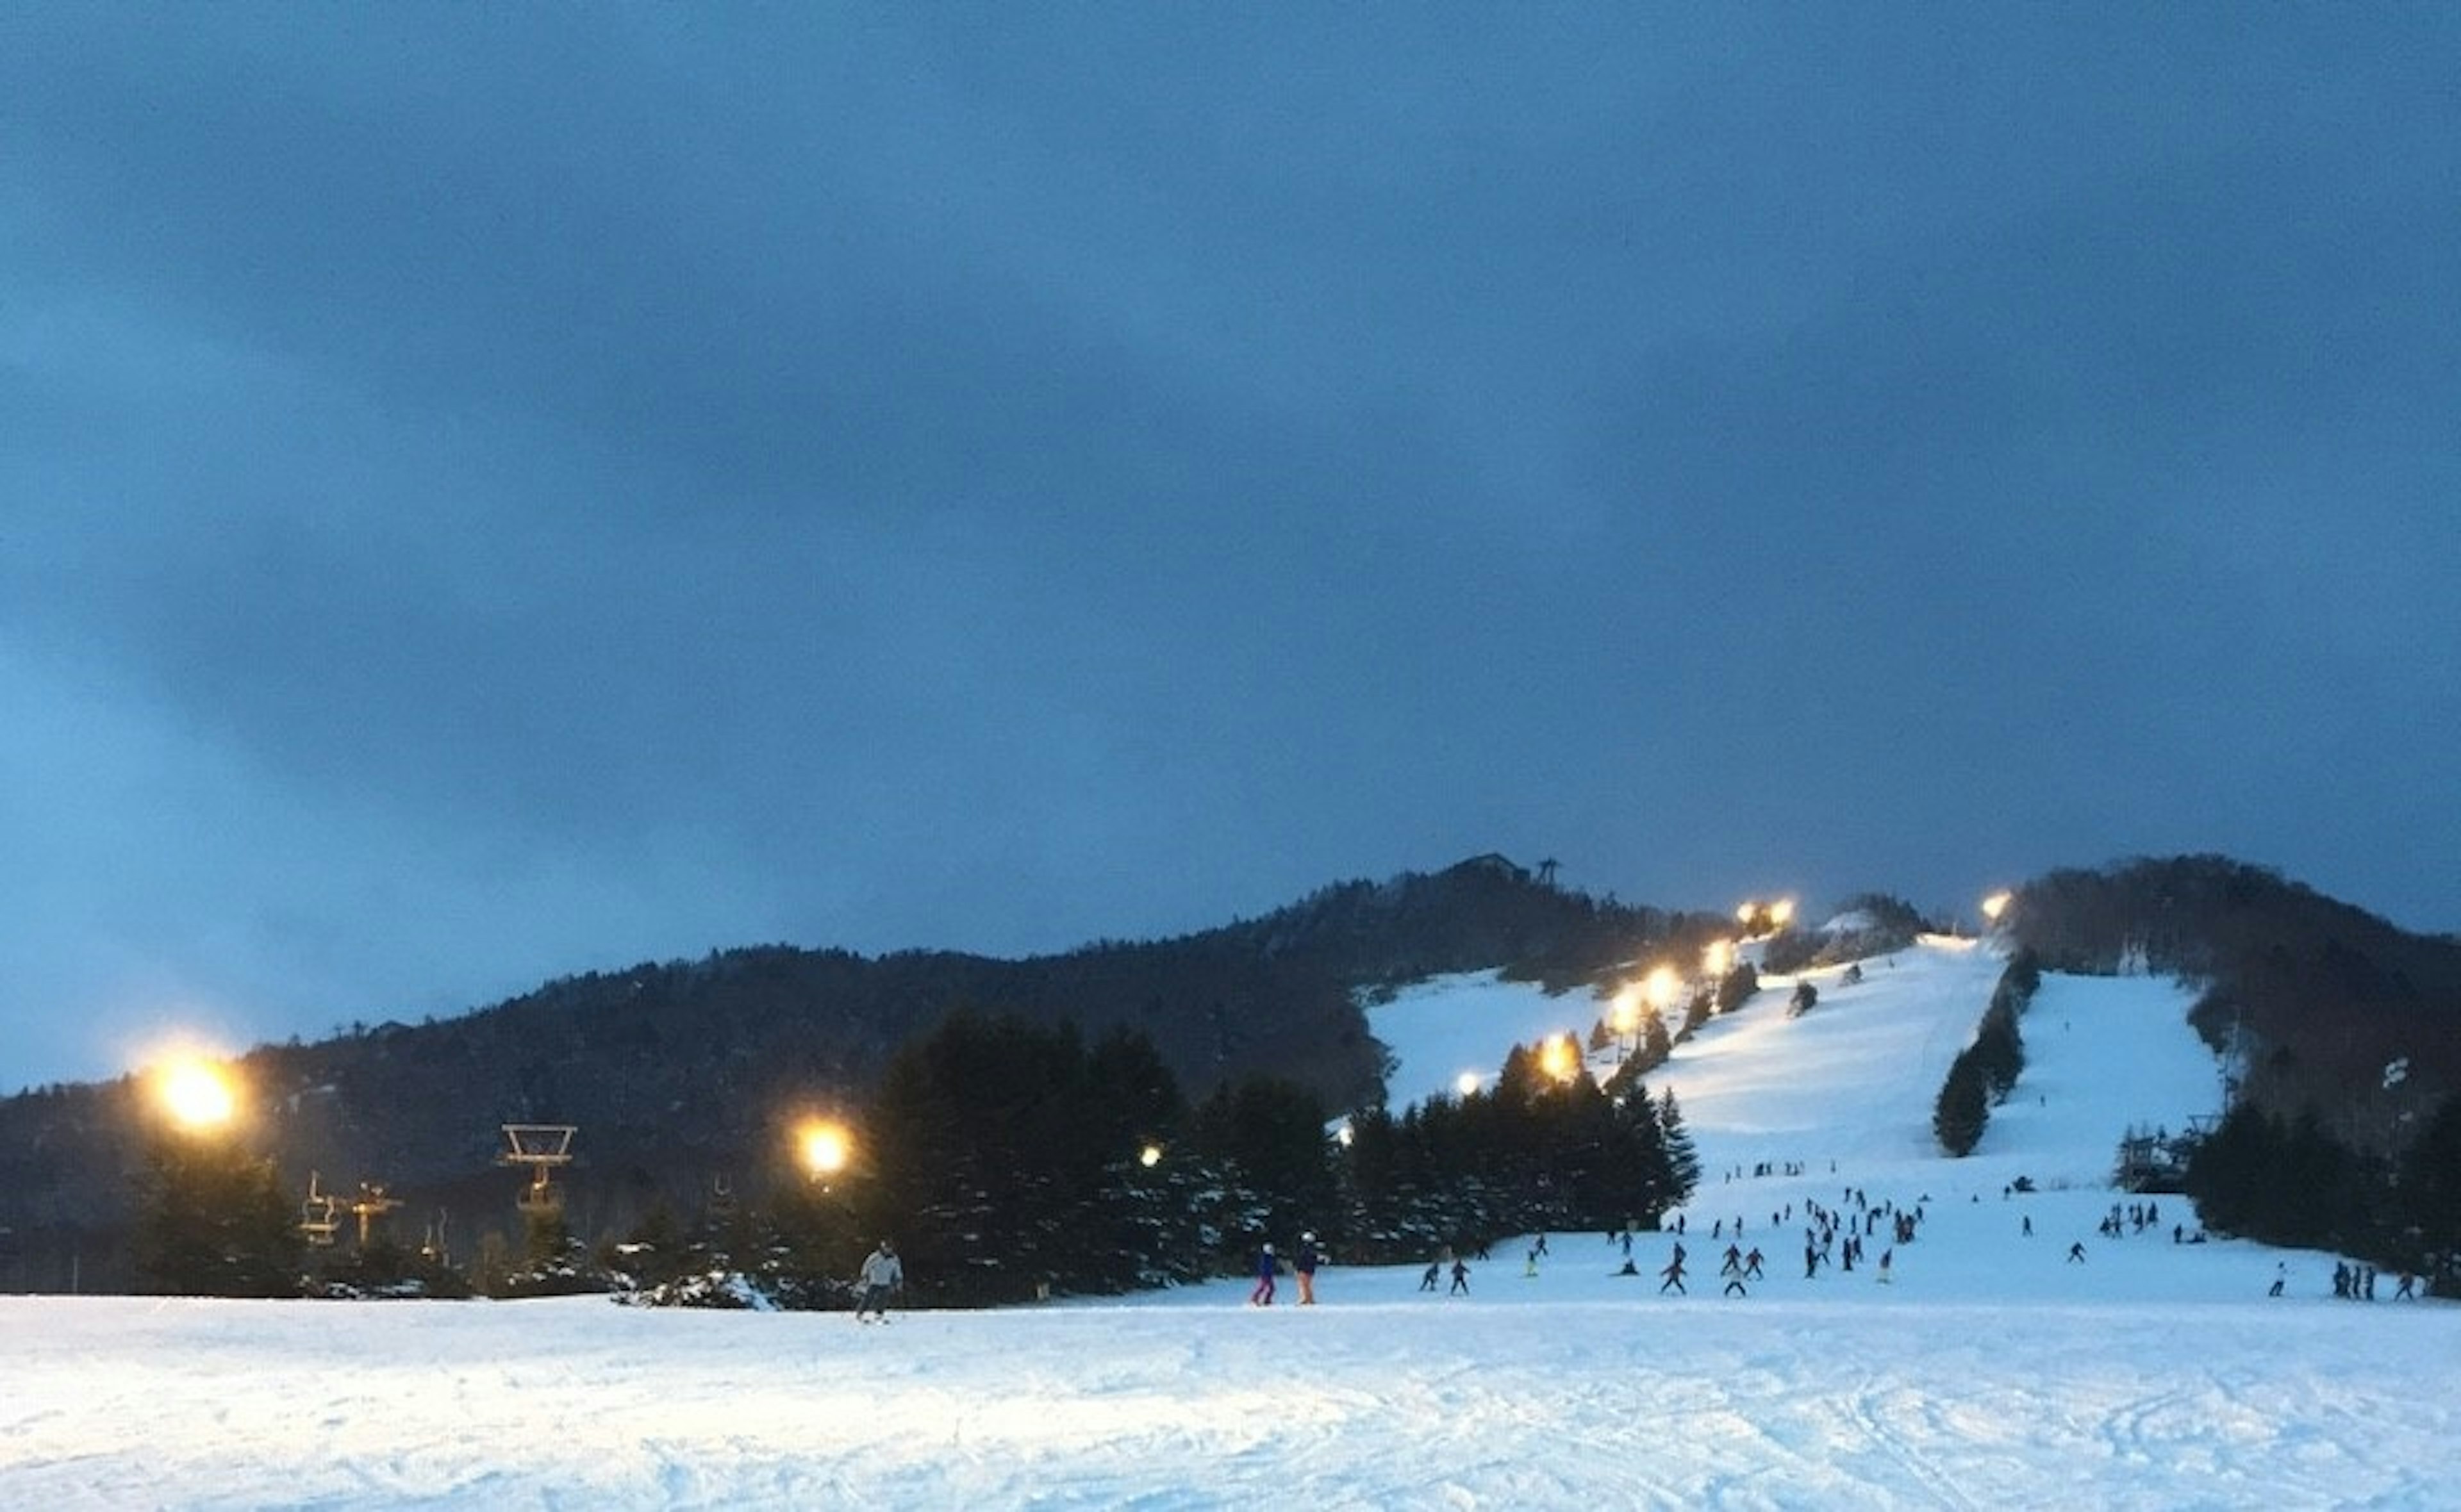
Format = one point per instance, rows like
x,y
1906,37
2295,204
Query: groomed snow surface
x,y
1990,1371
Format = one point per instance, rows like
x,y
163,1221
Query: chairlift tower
x,y
541,1147
371,1205
320,1215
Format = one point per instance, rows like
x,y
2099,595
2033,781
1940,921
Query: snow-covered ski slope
x,y
1990,1372
1854,1078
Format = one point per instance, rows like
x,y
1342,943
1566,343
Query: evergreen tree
x,y
1266,1137
1963,1106
1737,986
212,1221
1655,1045
1682,1160
2429,1200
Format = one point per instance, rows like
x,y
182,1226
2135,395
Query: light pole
x,y
197,1095
826,1147
1996,907
214,1220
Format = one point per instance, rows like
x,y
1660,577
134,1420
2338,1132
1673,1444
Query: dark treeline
x,y
1011,1161
2289,1181
1985,1072
678,1073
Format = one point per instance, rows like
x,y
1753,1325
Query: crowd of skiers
x,y
1834,1236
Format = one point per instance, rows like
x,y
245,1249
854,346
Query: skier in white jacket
x,y
881,1274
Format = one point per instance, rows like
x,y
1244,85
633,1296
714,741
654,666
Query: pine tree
x,y
1682,1160
1965,1104
2429,1199
213,1222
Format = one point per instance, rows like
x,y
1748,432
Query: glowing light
x,y
1781,913
197,1094
1151,1155
1661,987
1745,914
1466,1083
1626,1013
1559,1057
826,1147
1719,957
1996,904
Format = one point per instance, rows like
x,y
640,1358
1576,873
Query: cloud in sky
x,y
497,493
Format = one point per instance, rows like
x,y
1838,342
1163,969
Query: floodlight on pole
x,y
826,1147
1662,985
198,1094
1996,904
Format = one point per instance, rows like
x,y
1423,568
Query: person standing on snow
x,y
881,1273
1305,1263
1267,1268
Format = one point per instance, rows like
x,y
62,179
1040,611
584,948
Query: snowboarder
x,y
1267,1268
1305,1263
881,1273
2280,1279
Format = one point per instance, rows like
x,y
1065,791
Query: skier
x,y
1752,1263
1461,1278
1886,1256
1427,1282
1674,1274
1305,1264
2076,1253
2280,1279
1267,1268
881,1273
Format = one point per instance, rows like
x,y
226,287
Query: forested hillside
x,y
686,1075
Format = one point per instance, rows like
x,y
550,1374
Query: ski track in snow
x,y
1991,1373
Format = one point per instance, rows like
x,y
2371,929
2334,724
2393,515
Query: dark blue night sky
x,y
493,492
